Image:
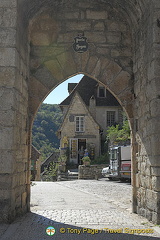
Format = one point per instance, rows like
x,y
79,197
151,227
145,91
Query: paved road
x,y
81,209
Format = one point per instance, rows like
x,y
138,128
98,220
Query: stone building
x,y
35,164
50,159
43,43
88,111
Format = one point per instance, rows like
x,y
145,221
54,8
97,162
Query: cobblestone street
x,y
86,204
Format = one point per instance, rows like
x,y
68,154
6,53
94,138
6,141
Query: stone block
x,y
6,161
78,26
155,68
155,143
97,69
8,37
91,64
5,194
7,118
83,4
154,107
15,179
156,34
82,15
46,52
123,52
55,69
143,168
66,37
6,138
94,37
116,26
103,51
156,218
71,15
148,182
93,14
154,161
22,178
67,63
99,26
141,211
78,62
24,199
120,82
7,57
113,37
155,171
20,166
41,39
9,17
5,181
148,214
155,183
152,199
104,63
18,201
137,180
8,3
7,76
84,60
47,24
111,72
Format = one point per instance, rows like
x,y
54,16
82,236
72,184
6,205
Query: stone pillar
x,y
13,116
147,111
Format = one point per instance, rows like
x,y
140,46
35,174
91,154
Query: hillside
x,y
45,126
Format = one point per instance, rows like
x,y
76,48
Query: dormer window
x,y
101,92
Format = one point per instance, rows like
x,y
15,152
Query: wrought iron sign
x,y
80,44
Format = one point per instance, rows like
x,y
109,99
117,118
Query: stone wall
x,y
147,113
109,55
90,172
14,114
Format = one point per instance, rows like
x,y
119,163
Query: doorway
x,y
81,148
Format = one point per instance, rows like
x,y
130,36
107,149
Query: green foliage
x,y
103,159
51,172
45,126
119,135
86,159
62,159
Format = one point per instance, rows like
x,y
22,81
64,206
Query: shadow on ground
x,y
33,227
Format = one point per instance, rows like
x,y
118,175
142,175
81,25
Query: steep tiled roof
x,y
71,86
86,88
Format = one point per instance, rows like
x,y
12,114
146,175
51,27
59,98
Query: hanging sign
x,y
80,44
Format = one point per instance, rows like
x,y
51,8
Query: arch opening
x,y
101,92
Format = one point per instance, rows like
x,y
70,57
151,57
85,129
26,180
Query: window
x,y
113,154
101,92
79,123
110,118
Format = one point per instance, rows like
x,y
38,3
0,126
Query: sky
x,y
61,91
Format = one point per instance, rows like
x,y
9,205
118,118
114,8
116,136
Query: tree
x,y
117,135
51,172
45,126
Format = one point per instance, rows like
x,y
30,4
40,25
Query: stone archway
x,y
117,55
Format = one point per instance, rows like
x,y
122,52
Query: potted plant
x,y
86,161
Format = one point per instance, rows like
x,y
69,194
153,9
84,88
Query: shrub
x,y
103,159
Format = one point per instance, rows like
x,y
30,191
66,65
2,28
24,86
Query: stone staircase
x,y
68,176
